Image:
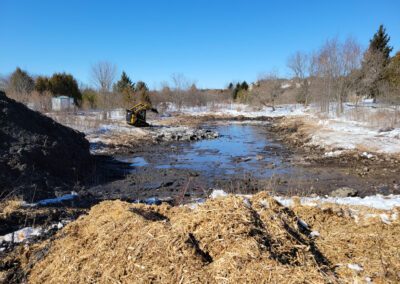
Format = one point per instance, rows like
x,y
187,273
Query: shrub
x,y
90,98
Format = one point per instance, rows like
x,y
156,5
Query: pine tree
x,y
42,84
244,86
125,81
65,85
141,86
380,41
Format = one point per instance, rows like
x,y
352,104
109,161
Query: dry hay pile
x,y
225,240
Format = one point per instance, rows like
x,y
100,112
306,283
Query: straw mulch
x,y
222,241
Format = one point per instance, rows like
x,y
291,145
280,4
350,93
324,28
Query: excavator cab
x,y
136,115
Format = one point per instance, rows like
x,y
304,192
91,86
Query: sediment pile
x,y
37,154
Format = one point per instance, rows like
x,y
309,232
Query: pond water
x,y
245,155
241,148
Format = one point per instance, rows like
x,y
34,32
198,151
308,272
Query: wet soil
x,y
249,156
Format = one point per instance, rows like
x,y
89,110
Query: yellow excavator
x,y
136,115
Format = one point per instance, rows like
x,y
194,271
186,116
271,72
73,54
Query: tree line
x,y
105,93
334,72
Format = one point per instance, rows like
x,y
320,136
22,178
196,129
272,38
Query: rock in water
x,y
38,154
344,192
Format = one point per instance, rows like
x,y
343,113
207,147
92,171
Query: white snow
x,y
265,203
218,193
355,267
246,201
21,235
375,201
334,153
56,200
234,110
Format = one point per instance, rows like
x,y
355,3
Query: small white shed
x,y
62,103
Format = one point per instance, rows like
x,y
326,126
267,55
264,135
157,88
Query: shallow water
x,y
246,157
241,149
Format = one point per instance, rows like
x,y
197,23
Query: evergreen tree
x,y
125,81
236,91
244,86
380,41
373,64
128,95
65,84
42,84
21,82
391,74
230,86
141,86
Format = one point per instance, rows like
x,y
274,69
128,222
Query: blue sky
x,y
210,42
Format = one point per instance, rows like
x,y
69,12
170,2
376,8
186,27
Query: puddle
x,y
135,162
241,148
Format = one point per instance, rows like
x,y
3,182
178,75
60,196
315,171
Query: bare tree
x,y
333,64
103,75
299,64
269,89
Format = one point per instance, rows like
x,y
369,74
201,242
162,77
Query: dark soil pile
x,y
38,156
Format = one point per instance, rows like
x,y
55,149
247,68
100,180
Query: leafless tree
x,y
299,64
103,75
269,89
334,63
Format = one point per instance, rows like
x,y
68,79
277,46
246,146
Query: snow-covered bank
x,y
235,110
366,127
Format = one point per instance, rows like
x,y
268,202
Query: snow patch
x,y
354,267
218,193
21,235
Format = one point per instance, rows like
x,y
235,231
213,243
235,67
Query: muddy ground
x,y
274,156
160,170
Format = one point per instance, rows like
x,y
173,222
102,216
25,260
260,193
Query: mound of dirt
x,y
223,240
37,154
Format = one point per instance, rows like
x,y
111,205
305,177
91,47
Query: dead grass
x,y
222,241
9,206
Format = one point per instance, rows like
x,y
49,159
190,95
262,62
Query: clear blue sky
x,y
212,42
